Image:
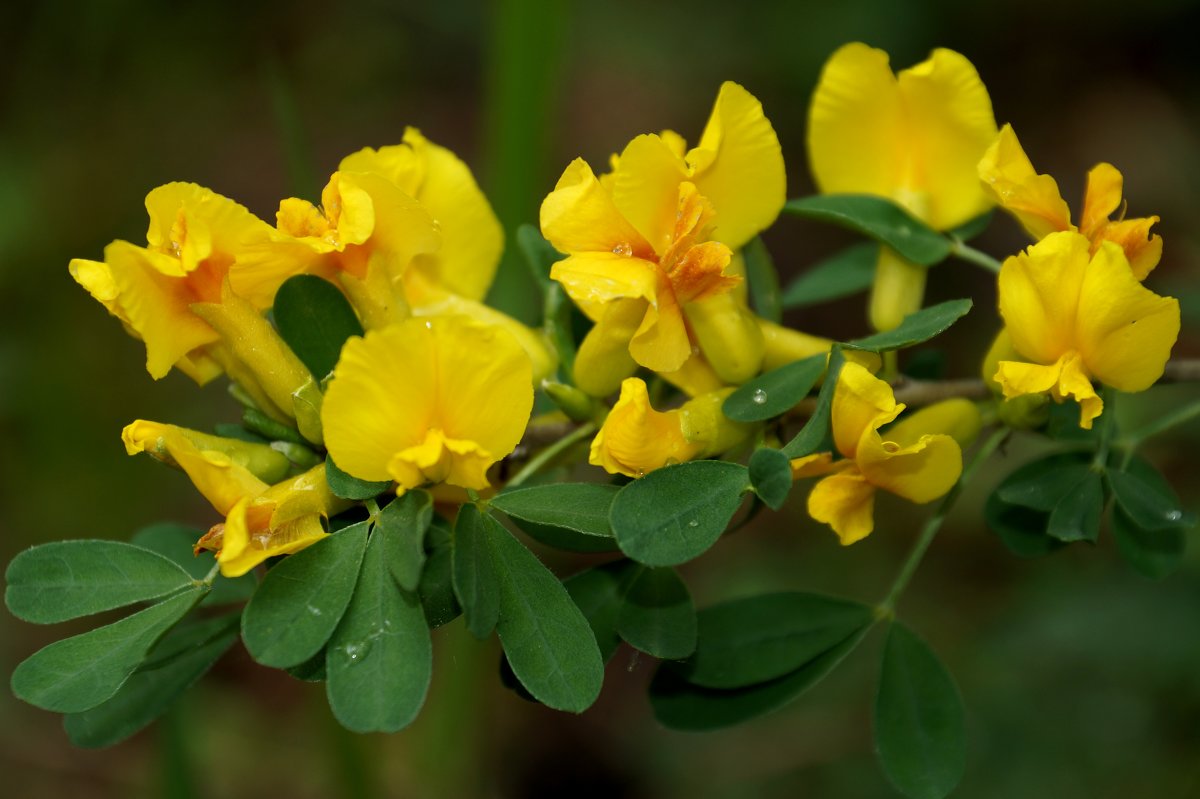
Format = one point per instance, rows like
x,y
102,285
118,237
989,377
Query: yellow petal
x,y
661,341
1039,295
1000,350
856,124
403,228
471,382
603,360
579,216
594,278
861,402
195,225
156,306
949,125
846,502
1063,379
920,472
815,465
636,439
221,480
306,494
439,459
958,418
695,377
1143,249
472,237
645,189
738,166
543,358
243,547
1101,197
897,291
728,335
1032,198
1125,331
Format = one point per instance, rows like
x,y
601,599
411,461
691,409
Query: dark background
x,y
1080,678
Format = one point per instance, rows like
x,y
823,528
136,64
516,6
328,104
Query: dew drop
x,y
694,523
314,610
1174,515
356,652
624,248
759,397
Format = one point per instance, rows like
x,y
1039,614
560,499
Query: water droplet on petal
x,y
624,248
759,397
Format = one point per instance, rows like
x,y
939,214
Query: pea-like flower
x,y
262,519
650,245
435,400
636,439
1076,316
915,138
1036,203
919,458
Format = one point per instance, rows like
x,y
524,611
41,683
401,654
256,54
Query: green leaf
x,y
1076,517
680,705
1146,504
847,272
349,487
677,512
172,666
761,638
816,429
1152,553
437,582
917,327
67,579
546,638
763,280
1040,485
775,392
299,603
476,582
80,672
311,670
401,529
1022,530
380,659
657,615
919,730
540,256
571,516
315,319
771,476
599,593
270,429
174,541
880,219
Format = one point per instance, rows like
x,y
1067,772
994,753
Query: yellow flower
x,y
1037,204
1075,316
920,458
262,520
914,138
636,439
472,238
428,401
652,242
194,241
366,235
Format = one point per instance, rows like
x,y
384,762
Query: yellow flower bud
x,y
729,336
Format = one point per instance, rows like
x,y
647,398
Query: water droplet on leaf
x,y
759,396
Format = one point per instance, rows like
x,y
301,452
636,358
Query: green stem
x,y
212,574
1161,425
1107,422
886,608
537,462
965,252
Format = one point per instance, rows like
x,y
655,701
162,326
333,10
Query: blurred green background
x,y
1080,678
